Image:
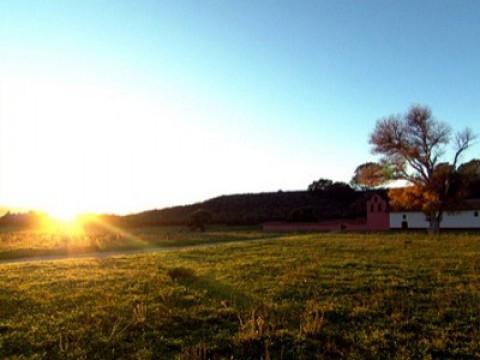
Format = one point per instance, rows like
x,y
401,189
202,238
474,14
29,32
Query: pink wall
x,y
377,213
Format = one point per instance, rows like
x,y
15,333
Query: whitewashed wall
x,y
416,220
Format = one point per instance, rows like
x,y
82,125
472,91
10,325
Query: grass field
x,y
16,243
290,297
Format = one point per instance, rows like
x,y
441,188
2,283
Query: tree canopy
x,y
330,189
320,185
368,175
412,148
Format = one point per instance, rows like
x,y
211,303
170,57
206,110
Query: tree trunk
x,y
435,220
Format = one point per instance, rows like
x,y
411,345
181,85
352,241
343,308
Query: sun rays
x,y
88,232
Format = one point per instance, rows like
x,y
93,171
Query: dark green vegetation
x,y
294,297
251,209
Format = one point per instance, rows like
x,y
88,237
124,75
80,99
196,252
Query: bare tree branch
x,y
413,145
463,140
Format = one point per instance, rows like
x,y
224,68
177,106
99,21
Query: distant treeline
x,y
322,201
28,219
252,209
242,209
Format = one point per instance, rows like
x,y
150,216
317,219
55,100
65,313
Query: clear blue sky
x,y
247,95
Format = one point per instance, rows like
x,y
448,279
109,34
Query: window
x,y
404,217
372,208
475,213
379,208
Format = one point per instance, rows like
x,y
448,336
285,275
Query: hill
x,y
251,209
238,209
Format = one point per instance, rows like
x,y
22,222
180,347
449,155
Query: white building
x,y
466,218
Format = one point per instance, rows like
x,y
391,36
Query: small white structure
x,y
462,219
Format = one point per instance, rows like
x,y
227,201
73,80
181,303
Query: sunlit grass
x,y
297,296
66,238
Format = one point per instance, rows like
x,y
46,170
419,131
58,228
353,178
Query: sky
x,y
121,106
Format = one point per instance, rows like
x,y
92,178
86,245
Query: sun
x,y
64,222
64,216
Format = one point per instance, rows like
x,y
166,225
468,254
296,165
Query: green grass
x,y
293,297
16,243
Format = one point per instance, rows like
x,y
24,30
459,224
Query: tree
x,y
199,218
320,185
368,175
412,147
341,191
470,172
326,188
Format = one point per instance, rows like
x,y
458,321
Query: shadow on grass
x,y
215,289
208,238
30,253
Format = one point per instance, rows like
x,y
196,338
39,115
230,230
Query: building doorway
x,y
404,222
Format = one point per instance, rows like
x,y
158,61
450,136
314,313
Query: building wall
x,y
416,220
377,214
